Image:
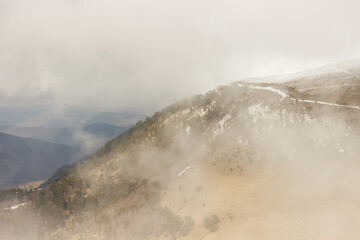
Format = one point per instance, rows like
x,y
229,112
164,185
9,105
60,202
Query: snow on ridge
x,y
183,171
326,103
284,95
271,89
342,67
15,206
328,86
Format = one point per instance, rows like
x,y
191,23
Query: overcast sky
x,y
143,55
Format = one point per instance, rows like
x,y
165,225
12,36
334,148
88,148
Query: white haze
x,y
143,55
299,173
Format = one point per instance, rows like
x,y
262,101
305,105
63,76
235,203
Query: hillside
x,y
249,160
24,160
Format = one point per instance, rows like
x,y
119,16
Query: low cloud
x,y
144,55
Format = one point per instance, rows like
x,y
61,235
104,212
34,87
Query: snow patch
x,y
186,111
15,206
188,130
271,89
202,113
326,103
224,119
183,171
221,124
307,117
259,111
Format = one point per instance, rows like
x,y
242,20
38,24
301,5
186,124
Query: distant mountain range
x,y
36,141
40,151
115,118
105,130
55,135
67,135
24,159
48,116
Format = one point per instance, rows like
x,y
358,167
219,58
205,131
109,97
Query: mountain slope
x,y
24,160
256,161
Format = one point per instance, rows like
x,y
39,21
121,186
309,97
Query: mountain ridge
x,y
244,159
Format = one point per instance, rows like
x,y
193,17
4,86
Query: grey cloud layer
x,y
146,54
